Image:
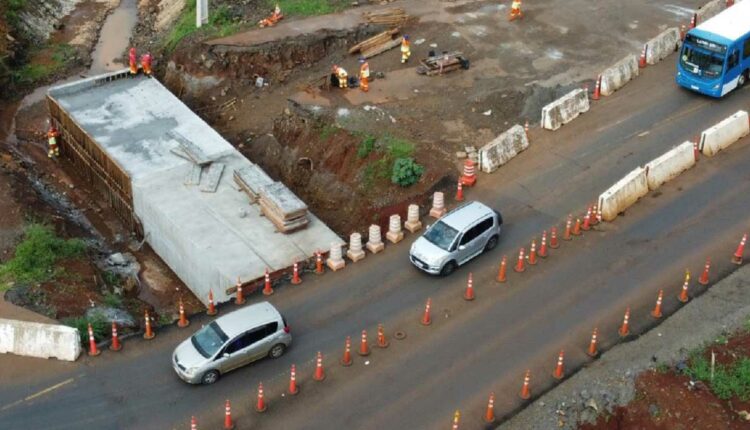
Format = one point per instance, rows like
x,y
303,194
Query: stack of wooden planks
x,y
442,63
250,180
284,209
374,41
394,17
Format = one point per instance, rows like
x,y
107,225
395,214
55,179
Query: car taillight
x,y
287,329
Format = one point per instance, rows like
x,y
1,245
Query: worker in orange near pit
x,y
364,75
275,17
133,62
515,10
405,49
342,76
146,64
52,135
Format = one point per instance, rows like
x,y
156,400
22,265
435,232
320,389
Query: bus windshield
x,y
700,62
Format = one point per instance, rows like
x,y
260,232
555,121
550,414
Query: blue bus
x,y
715,56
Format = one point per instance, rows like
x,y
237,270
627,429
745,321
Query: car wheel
x,y
491,244
210,377
449,268
277,350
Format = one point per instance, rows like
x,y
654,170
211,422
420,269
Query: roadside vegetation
x,y
394,160
308,7
60,56
727,380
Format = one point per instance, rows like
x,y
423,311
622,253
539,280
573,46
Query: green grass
x,y
398,148
13,10
31,73
307,7
366,146
112,300
390,149
35,257
729,381
99,326
183,27
327,131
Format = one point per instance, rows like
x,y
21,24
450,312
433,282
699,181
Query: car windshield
x,y
209,339
441,235
701,63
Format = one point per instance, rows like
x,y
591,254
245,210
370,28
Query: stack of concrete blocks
x,y
438,205
502,149
623,194
565,109
619,74
413,223
355,252
374,239
663,45
395,234
669,165
32,339
724,133
335,257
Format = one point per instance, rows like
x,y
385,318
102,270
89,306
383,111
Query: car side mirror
x,y
461,247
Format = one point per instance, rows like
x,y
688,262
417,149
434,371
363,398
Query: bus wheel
x,y
742,78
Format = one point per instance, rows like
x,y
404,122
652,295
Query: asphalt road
x,y
471,348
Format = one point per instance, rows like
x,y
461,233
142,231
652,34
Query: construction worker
x,y
146,64
275,17
52,135
364,75
515,10
133,63
342,76
405,49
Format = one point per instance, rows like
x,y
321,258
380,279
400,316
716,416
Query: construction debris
x,y
284,209
213,176
442,63
189,148
250,180
394,17
194,175
374,41
382,48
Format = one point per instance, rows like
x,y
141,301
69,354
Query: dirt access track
x,y
516,68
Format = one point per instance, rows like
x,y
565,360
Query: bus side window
x,y
746,49
733,59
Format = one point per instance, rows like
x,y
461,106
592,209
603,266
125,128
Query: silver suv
x,y
232,341
456,238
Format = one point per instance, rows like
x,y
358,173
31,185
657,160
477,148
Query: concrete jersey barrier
x,y
724,133
709,10
669,165
623,194
503,148
661,46
39,340
619,74
565,109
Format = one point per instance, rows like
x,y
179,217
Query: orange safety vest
x,y
364,70
516,5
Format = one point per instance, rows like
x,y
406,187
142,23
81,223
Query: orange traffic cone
x,y
382,341
587,220
426,320
625,327
93,350
553,243
526,129
501,273
703,280
261,405
319,263
228,424
683,31
193,423
293,388
183,321
319,372
656,313
267,290
683,296
469,292
696,151
520,264
456,418
364,349
543,246
592,352
597,89
459,192
149,333
568,225
559,371
525,390
532,253
694,20
211,307
296,280
239,298
737,257
346,360
577,227
642,60
489,415
115,345
594,219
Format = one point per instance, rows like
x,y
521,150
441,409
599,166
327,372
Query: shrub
x,y
406,172
112,300
99,325
366,146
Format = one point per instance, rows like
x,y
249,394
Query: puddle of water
x,y
114,38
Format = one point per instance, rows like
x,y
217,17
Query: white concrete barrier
x,y
661,46
619,74
724,133
709,10
502,148
39,340
670,165
623,194
565,109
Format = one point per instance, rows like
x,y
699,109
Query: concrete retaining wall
x,y
661,46
623,194
39,340
619,74
501,149
724,133
670,165
709,10
565,109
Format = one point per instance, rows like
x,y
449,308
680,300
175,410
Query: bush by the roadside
x,y
728,380
99,326
406,172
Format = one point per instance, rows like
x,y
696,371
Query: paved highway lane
x,y
480,346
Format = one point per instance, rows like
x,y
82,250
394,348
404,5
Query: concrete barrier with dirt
x,y
663,45
619,74
39,340
503,148
724,133
709,10
670,165
565,109
623,194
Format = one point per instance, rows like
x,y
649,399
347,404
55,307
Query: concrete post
x,y
201,13
395,235
412,219
335,259
374,240
355,252
438,205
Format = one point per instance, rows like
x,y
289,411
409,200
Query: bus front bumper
x,y
712,89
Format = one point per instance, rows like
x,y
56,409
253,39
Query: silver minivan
x,y
232,341
456,238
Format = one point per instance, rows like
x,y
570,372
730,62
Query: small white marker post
x,y
713,364
201,13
